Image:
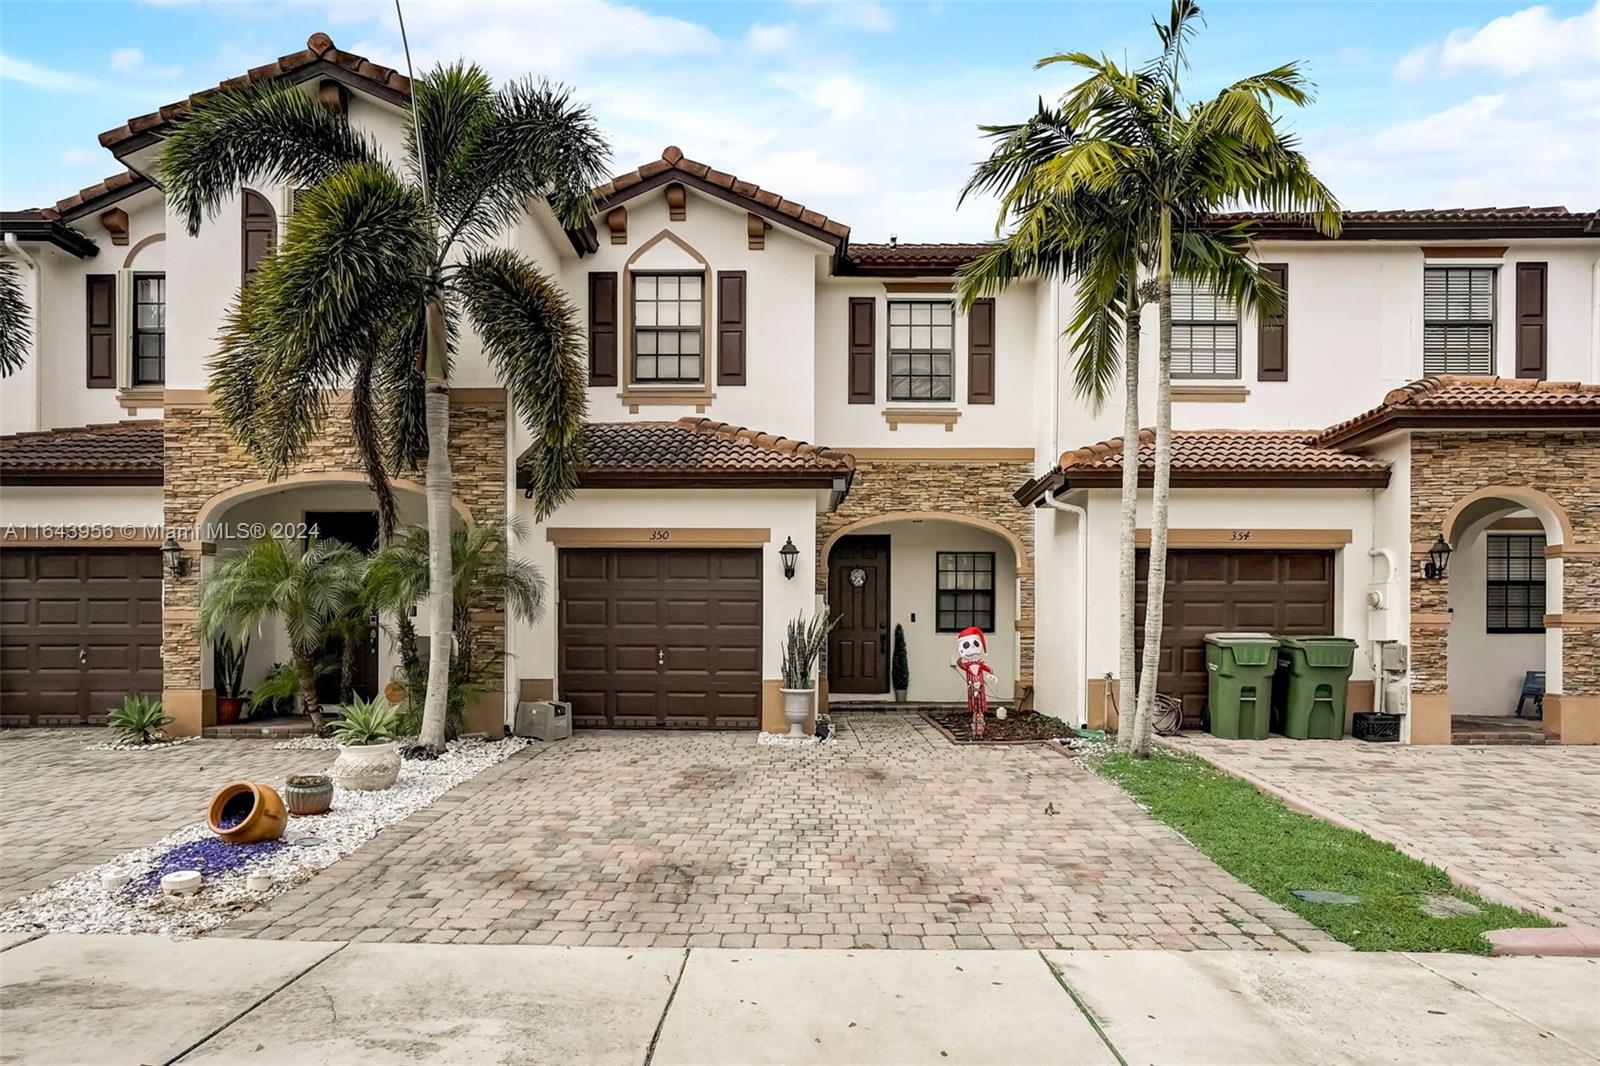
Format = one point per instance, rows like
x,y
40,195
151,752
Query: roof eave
x,y
1531,229
1480,418
46,231
80,476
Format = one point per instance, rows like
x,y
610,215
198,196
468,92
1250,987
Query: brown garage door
x,y
661,638
79,629
1280,592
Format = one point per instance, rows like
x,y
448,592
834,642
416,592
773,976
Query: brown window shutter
x,y
863,369
980,351
100,331
1533,318
1272,331
258,232
730,327
603,327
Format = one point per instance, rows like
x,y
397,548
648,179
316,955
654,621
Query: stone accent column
x,y
202,461
1447,467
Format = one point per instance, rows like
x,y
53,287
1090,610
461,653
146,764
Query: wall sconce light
x,y
790,555
172,556
1438,563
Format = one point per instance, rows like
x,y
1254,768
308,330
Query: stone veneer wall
x,y
976,489
1448,466
202,460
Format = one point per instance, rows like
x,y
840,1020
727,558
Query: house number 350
x,y
661,534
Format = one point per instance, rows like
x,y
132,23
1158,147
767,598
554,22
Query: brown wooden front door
x,y
858,596
653,638
1220,591
79,630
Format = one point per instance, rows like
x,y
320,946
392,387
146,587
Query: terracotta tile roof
x,y
319,53
934,258
1435,223
90,197
673,165
1217,458
113,452
1472,402
702,452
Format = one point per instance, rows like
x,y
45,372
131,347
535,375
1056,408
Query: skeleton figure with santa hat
x,y
971,650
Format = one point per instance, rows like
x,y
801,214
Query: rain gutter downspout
x,y
1082,680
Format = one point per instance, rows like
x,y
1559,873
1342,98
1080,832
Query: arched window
x,y
258,226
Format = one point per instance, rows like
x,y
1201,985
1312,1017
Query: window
x,y
1514,600
667,323
1205,333
921,337
965,591
149,329
1458,320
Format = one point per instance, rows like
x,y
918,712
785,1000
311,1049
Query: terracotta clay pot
x,y
308,799
264,813
228,708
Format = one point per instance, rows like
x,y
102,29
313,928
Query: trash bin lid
x,y
1241,638
1320,651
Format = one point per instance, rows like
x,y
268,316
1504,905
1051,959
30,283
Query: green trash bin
x,y
1239,669
1308,696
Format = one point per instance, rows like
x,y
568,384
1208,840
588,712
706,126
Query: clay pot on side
x,y
259,809
229,709
308,794
367,767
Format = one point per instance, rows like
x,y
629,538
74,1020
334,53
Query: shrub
x,y
139,719
900,665
366,722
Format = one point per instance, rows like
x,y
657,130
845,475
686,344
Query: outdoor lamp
x,y
790,555
1438,563
172,556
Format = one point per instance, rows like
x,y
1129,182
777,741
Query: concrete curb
x,y
1585,939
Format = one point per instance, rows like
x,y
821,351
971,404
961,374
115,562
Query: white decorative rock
x,y
258,882
366,767
112,880
181,883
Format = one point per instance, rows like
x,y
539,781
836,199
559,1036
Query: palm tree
x,y
482,571
378,263
305,587
16,331
1130,144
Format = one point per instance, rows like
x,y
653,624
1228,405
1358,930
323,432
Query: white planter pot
x,y
797,708
367,767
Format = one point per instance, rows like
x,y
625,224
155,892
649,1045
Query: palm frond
x,y
266,132
531,335
16,326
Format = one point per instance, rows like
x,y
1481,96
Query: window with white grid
x,y
668,316
1458,320
965,591
1205,333
921,337
1514,598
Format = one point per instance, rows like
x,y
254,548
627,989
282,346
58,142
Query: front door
x,y
359,529
858,596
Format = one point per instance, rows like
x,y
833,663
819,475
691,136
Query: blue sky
x,y
865,111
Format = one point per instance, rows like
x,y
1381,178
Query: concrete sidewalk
x,y
104,999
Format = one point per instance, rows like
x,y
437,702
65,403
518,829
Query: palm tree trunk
x,y
306,669
1156,579
347,669
1128,561
439,491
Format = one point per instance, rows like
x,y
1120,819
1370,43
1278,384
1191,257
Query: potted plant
x,y
801,647
369,757
900,666
308,794
227,660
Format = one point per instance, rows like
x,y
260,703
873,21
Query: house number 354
x,y
1241,534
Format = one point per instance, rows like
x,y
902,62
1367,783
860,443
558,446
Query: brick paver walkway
x,y
892,837
64,808
1525,821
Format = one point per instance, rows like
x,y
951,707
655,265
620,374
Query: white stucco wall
x,y
1484,669
114,506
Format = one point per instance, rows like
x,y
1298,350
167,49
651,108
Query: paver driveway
x,y
892,837
64,808
1525,821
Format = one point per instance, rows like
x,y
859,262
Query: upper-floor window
x,y
1514,596
149,329
1458,320
668,328
921,338
1205,333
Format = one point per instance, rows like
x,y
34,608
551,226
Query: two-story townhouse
x,y
725,326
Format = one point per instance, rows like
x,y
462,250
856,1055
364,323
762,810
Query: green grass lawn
x,y
1275,851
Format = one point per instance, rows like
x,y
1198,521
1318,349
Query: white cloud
x,y
763,39
1523,42
868,15
20,70
80,157
131,62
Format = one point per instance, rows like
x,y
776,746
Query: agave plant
x,y
802,646
139,720
365,722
